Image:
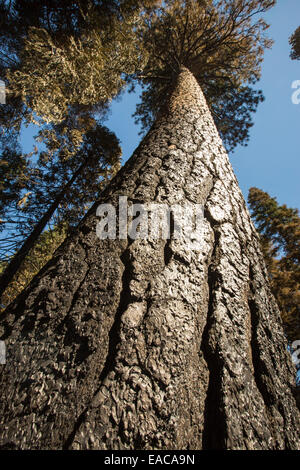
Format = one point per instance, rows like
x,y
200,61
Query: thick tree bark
x,y
147,344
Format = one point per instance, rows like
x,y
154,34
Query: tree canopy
x,y
75,53
221,43
59,54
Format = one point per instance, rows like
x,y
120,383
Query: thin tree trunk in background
x,y
146,344
17,260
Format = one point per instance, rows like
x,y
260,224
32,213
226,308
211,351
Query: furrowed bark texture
x,y
146,344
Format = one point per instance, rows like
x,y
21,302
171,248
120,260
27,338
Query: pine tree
x,y
145,343
68,53
94,161
279,229
221,44
14,177
151,343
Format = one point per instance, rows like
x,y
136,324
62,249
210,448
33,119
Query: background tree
x,y
74,54
14,174
64,191
279,229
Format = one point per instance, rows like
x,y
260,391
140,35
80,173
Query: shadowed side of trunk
x,y
149,344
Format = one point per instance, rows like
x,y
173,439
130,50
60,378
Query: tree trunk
x,y
147,344
15,263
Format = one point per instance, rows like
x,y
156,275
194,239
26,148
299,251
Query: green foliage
x,y
71,53
99,153
85,71
221,44
295,44
49,52
81,52
30,188
279,228
13,177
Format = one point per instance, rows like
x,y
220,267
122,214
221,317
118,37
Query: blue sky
x,y
271,160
